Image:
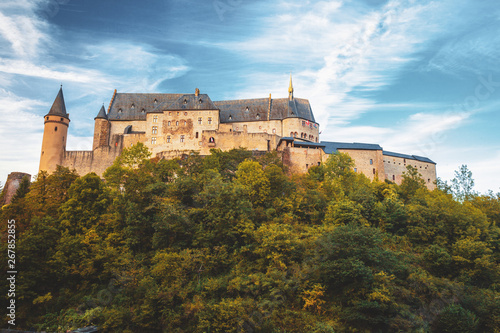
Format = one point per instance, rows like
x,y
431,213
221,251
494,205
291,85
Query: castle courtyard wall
x,y
395,166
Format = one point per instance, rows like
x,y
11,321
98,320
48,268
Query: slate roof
x,y
102,113
189,102
126,106
410,157
332,147
59,107
258,108
300,143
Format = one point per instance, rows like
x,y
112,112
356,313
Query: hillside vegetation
x,y
230,243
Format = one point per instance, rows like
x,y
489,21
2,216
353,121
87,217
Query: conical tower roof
x,y
102,113
58,107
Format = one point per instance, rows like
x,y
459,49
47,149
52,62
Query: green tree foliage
x,y
233,243
463,184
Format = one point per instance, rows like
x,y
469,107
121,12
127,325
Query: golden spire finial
x,y
290,88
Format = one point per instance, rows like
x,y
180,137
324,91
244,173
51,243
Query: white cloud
x,y
21,133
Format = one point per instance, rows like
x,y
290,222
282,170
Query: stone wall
x,y
395,166
368,162
11,185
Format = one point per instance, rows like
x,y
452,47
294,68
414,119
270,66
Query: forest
x,y
232,242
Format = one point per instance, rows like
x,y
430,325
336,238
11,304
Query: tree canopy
x,y
234,243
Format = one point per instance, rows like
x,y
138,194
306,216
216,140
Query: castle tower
x,y
55,134
101,129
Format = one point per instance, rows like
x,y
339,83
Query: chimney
x,y
197,92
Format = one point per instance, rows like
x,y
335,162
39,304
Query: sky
x,y
417,77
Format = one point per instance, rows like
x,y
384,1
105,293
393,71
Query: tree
x,y
463,184
455,319
412,182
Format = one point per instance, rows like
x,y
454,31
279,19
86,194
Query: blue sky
x,y
416,77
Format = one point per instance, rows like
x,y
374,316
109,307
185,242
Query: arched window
x,y
211,140
55,129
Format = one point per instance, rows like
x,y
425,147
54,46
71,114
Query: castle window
x,y
258,116
182,138
47,118
307,166
120,110
143,111
156,101
176,123
211,140
428,180
170,113
355,169
185,101
303,123
371,161
185,123
196,135
155,130
169,123
168,138
55,129
185,113
209,120
274,130
178,113
61,119
230,117
200,101
153,140
296,134
155,119
260,127
291,134
247,109
132,106
199,121
393,177
373,170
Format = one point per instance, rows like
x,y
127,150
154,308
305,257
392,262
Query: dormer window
x,y
230,117
143,111
200,101
156,101
247,109
258,116
185,101
132,106
120,111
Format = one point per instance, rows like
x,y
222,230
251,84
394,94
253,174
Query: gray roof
x,y
301,143
125,106
58,107
332,147
102,113
410,157
189,102
258,108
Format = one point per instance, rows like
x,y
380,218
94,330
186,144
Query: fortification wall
x,y
299,160
229,140
395,166
368,162
12,185
97,161
297,126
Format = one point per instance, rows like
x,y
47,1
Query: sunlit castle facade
x,y
175,125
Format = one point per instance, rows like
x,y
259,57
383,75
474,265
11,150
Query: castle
x,y
174,125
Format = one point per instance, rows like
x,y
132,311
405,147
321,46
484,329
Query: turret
x,y
101,129
55,135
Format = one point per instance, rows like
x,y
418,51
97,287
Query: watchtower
x,y
55,135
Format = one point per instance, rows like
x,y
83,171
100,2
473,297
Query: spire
x,y
102,113
290,89
59,108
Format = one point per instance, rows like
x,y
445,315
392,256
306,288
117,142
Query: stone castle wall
x,y
395,166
